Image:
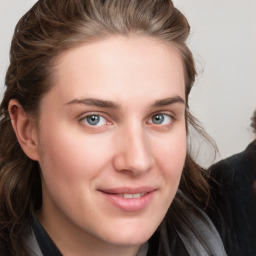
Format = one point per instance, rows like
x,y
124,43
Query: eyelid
x,y
109,119
94,113
170,115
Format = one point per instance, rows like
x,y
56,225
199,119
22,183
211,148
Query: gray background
x,y
223,41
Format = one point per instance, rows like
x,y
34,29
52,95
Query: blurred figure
x,y
233,188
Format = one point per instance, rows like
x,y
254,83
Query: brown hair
x,y
253,124
42,34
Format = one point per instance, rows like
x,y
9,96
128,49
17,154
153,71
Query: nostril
x,y
133,152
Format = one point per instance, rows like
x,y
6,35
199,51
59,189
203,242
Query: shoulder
x,y
236,169
32,245
4,252
3,248
231,179
196,230
231,208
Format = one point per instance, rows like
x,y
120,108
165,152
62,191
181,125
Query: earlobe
x,y
25,129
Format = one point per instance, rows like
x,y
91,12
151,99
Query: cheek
x,y
68,157
170,157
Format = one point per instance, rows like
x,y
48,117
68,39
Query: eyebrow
x,y
110,104
169,101
95,102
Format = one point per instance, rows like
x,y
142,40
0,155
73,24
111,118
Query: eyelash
x,y
157,115
84,120
94,115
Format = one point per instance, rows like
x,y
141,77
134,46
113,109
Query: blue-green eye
x,y
95,120
160,119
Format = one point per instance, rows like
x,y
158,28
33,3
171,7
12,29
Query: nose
x,y
133,152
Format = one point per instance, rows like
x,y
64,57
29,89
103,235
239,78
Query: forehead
x,y
120,65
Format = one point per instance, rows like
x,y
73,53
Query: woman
x,y
94,124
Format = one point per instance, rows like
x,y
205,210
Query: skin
x,y
130,80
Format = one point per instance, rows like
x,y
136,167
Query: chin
x,y
127,237
133,231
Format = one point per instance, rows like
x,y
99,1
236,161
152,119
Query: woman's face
x,y
112,142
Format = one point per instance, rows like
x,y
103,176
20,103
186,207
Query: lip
x,y
114,196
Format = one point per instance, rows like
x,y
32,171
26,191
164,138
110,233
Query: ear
x,y
25,129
